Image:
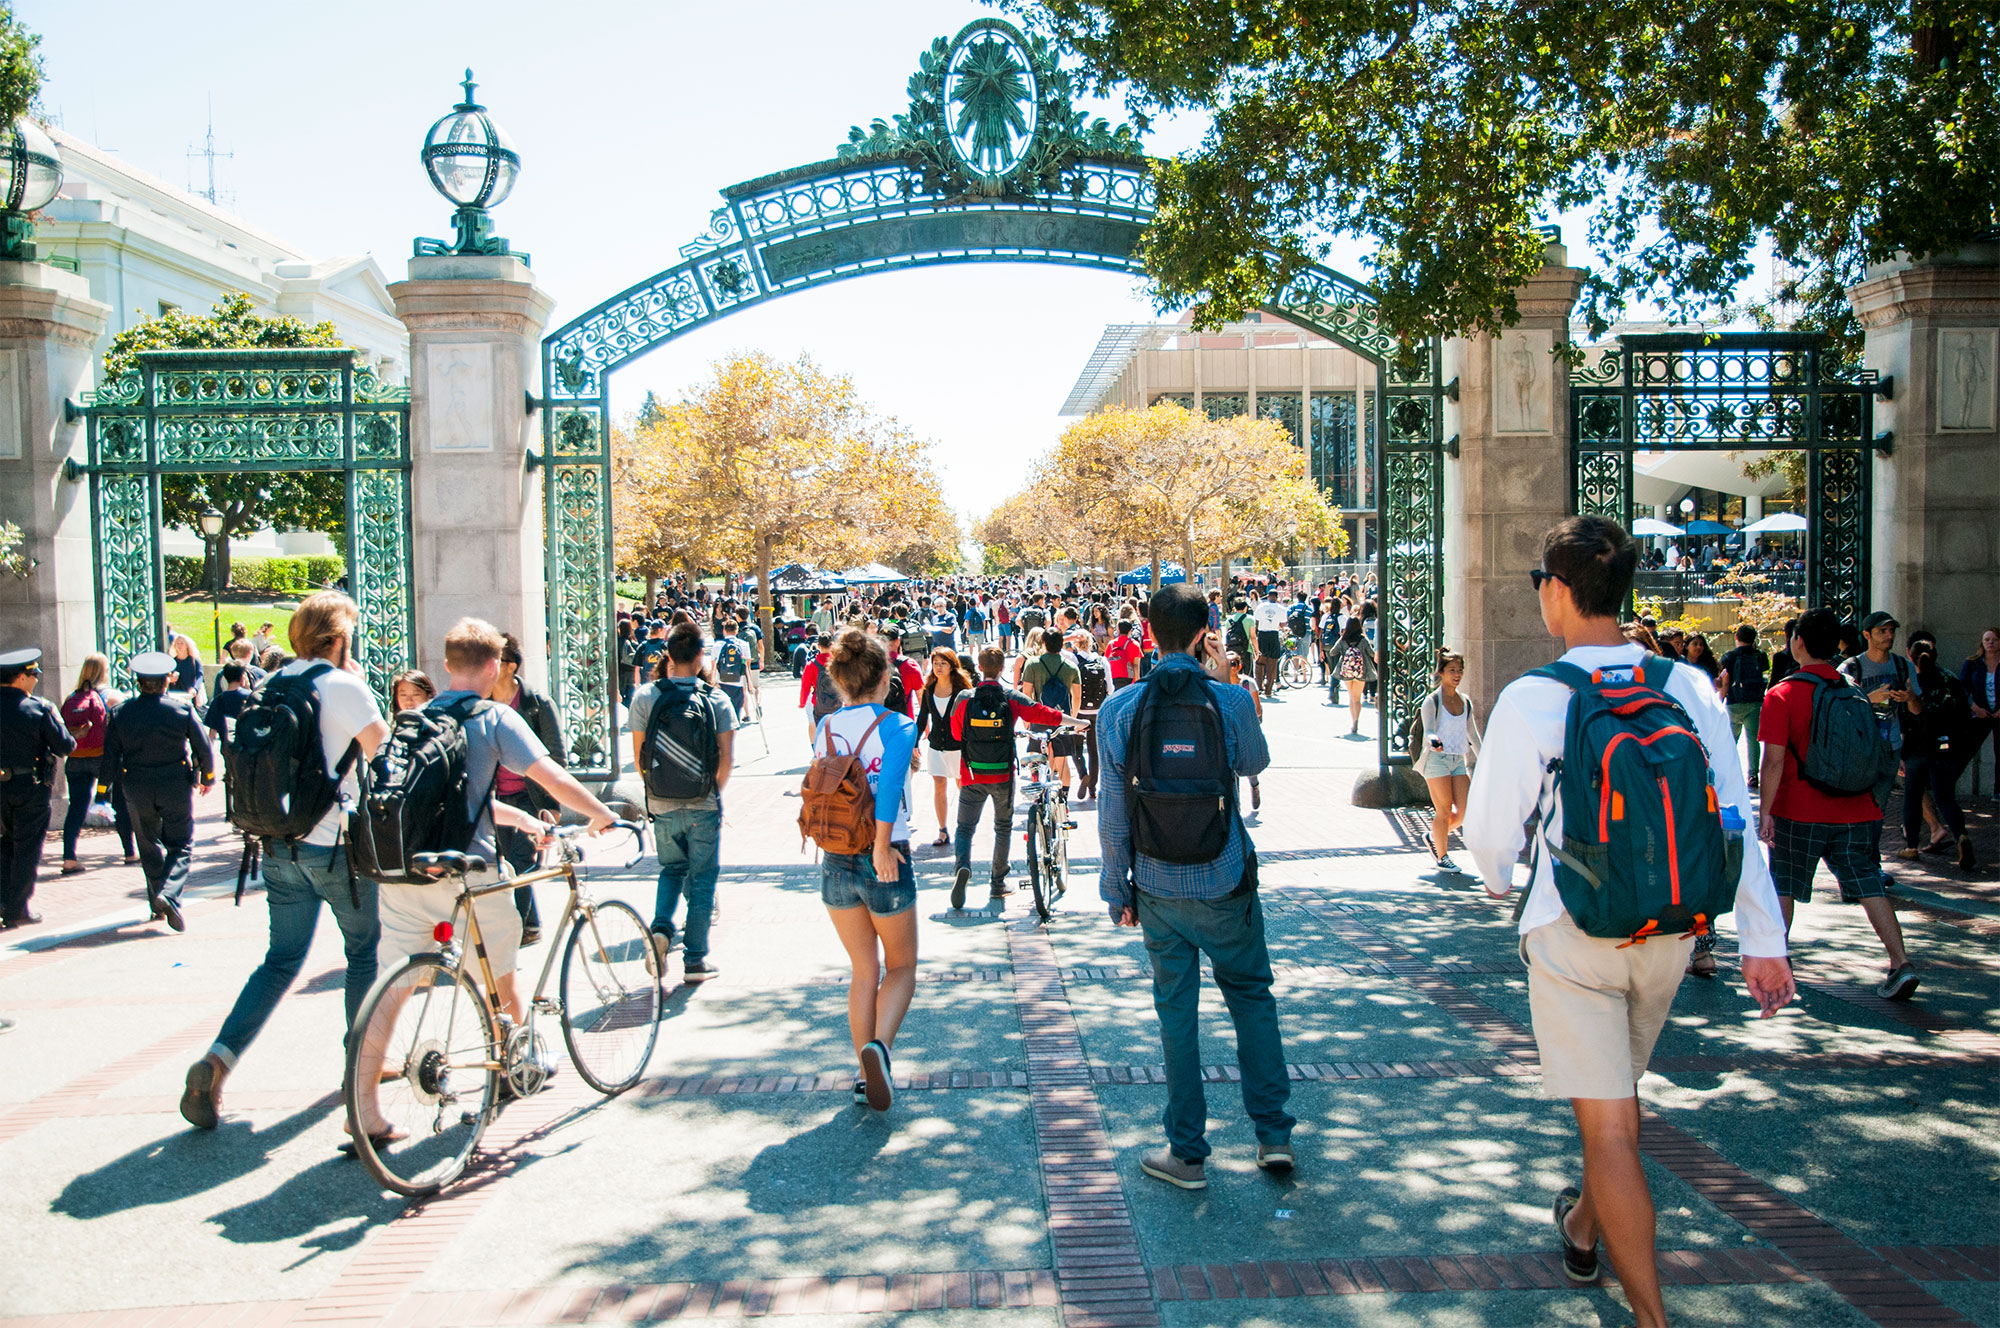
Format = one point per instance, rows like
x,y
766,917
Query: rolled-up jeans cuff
x,y
223,1054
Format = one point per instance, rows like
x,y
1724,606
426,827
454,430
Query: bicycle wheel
x,y
1057,865
1037,868
427,1040
1298,673
610,996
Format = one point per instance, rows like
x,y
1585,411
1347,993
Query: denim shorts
x,y
847,880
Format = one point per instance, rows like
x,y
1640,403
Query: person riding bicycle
x,y
983,721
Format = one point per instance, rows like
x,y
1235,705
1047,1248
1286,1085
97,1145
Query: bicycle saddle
x,y
463,864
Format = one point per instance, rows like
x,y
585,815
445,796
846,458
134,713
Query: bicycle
x,y
1295,668
1048,827
446,1056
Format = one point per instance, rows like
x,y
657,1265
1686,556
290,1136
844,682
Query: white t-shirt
x,y
1270,615
346,707
1525,732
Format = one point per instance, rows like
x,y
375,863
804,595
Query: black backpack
x,y
1183,795
826,697
1845,754
988,748
279,787
1237,637
413,794
1299,619
898,699
1746,675
1096,680
680,754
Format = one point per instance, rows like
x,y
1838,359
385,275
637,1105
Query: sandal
x,y
72,868
388,1136
942,841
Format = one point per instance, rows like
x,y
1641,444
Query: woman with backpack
x,y
1450,746
1354,665
871,895
1932,761
946,680
86,712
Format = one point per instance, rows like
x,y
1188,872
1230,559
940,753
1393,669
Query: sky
x,y
629,118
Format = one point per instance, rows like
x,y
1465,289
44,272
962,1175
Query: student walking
x,y
1744,670
866,879
1450,749
1599,997
1248,682
983,721
683,745
1188,878
1354,665
86,712
946,681
520,849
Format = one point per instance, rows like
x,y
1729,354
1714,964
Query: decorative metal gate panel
x,y
1040,185
233,411
1736,392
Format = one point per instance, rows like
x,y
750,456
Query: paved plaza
x,y
1834,1165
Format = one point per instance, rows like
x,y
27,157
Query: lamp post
x,y
30,174
211,533
471,162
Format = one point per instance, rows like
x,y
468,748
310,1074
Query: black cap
x,y
1879,618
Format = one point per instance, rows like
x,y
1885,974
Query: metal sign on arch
x,y
991,163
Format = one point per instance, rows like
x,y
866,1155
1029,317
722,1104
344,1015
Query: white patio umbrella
x,y
1776,522
1652,525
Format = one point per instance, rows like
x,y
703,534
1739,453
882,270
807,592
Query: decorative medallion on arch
x,y
991,163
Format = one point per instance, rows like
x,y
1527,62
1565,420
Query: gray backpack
x,y
1845,754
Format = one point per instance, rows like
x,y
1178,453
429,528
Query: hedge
x,y
272,576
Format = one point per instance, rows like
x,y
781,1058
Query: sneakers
x,y
958,884
860,1093
1579,1265
1445,864
170,909
531,936
1161,1164
698,970
881,1094
199,1105
1900,985
1275,1158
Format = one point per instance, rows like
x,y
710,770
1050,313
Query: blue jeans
x,y
690,849
1178,932
973,797
294,888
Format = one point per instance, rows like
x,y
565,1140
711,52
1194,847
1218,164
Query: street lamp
x,y
211,534
30,174
1687,506
471,162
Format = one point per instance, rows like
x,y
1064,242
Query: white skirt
x,y
942,765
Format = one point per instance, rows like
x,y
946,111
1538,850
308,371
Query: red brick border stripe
x,y
1100,1281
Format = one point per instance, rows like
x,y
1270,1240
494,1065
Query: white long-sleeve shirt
x,y
1525,732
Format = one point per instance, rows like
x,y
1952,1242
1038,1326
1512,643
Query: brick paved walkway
x,y
1833,1166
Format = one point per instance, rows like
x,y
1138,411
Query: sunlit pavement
x,y
1835,1165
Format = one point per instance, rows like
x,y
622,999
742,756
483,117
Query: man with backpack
x,y
1823,762
1239,630
1122,654
1620,753
1745,668
818,697
735,666
1053,680
1179,865
683,740
292,776
1889,682
983,720
1094,686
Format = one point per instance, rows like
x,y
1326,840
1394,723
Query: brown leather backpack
x,y
837,808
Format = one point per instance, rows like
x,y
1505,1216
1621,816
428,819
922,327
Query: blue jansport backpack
x,y
1643,851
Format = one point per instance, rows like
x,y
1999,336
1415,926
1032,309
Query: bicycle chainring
x,y
528,1063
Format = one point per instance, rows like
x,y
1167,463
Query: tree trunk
x,y
1154,553
219,572
1222,577
764,598
652,590
1187,557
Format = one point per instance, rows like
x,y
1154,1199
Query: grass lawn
x,y
196,618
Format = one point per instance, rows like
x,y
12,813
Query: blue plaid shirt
x,y
1242,737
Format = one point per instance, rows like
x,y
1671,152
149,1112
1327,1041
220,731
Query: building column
x,y
1510,482
1935,327
48,327
476,508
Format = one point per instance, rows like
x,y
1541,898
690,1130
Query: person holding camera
x,y
1450,745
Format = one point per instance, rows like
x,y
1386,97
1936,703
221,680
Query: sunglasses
x,y
33,670
1539,577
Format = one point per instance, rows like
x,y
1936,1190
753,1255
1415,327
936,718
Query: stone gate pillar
x,y
476,508
49,327
1510,481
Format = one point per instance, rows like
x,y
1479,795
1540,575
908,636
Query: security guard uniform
x,y
148,745
32,736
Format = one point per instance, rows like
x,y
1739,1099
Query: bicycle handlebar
x,y
633,828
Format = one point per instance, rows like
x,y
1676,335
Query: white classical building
x,y
147,246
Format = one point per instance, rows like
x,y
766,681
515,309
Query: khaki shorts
x,y
1598,1009
410,912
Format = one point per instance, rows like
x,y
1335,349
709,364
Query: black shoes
x,y
24,920
958,884
170,910
1579,1265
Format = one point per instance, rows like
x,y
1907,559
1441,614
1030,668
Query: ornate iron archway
x,y
992,163
1737,392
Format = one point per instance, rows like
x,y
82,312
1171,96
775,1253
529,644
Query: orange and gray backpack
x,y
837,808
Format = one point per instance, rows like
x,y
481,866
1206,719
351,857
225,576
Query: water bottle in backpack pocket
x,y
413,794
1643,850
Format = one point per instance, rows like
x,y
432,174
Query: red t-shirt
x,y
1786,721
913,683
1123,652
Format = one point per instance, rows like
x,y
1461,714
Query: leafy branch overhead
x,y
1445,131
20,67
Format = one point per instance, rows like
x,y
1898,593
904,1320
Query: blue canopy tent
x,y
874,574
798,579
1171,574
1707,527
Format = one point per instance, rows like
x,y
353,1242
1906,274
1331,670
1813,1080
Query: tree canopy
x,y
1841,131
20,67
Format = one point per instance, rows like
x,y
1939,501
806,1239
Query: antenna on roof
x,y
224,198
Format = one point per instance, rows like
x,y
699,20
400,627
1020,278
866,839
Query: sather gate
x,y
992,163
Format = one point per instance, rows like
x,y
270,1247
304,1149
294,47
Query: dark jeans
x,y
1230,932
80,774
163,825
1940,777
518,851
297,880
689,845
972,797
24,824
1979,733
